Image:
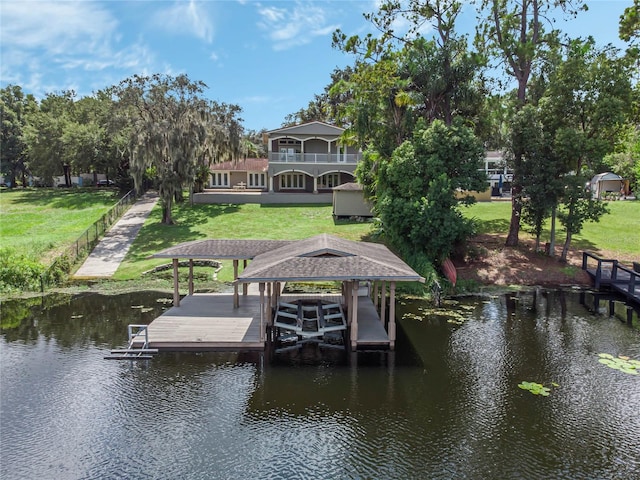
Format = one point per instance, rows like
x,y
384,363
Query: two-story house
x,y
303,158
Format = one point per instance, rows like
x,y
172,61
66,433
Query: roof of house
x,y
245,165
320,258
306,129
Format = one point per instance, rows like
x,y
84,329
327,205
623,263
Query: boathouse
x,y
363,310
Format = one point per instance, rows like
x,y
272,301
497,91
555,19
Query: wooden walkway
x,y
208,322
609,274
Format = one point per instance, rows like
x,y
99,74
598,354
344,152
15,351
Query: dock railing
x,y
601,269
630,282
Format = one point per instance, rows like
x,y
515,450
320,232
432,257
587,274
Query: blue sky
x,y
269,57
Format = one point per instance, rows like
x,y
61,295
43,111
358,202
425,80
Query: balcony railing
x,y
276,157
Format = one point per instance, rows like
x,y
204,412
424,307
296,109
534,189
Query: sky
x,y
269,57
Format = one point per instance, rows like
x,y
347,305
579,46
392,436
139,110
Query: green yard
x,y
42,222
273,222
617,233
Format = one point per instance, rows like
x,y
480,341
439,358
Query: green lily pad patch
x,y
621,363
535,388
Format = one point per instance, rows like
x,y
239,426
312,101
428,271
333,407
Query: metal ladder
x,y
138,347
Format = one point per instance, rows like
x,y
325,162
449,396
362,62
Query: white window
x,y
329,180
257,180
292,181
220,179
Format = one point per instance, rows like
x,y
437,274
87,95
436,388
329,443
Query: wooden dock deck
x,y
208,322
371,332
609,274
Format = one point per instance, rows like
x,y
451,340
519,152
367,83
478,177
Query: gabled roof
x,y
327,258
306,129
221,249
246,165
320,258
603,177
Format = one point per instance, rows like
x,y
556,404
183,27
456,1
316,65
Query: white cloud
x,y
296,24
54,26
50,45
186,18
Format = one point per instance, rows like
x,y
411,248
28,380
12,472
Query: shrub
x,y
18,271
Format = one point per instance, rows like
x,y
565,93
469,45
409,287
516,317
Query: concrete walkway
x,y
111,250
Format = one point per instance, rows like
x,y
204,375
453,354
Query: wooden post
x,y
269,300
176,290
245,286
191,276
383,302
392,316
236,299
261,287
354,316
375,295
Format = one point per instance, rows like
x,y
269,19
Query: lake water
x,y
445,405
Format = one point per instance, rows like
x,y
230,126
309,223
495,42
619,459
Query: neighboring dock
x,y
609,275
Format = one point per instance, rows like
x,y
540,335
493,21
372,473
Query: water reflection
x,y
445,405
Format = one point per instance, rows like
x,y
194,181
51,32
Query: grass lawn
x,y
272,222
617,233
44,221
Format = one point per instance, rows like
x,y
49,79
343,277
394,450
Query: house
x,y
307,158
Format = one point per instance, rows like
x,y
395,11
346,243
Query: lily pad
x,y
535,388
621,363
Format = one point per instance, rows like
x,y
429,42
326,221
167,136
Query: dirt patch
x,y
489,262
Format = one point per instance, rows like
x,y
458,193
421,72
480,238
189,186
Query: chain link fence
x,y
61,266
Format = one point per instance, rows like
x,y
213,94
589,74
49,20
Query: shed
x,y
349,201
604,183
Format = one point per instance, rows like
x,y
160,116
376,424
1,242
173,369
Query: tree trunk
x,y
166,210
552,236
516,210
565,249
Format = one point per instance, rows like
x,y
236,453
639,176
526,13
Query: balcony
x,y
323,158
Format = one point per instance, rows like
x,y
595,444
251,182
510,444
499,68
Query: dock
x,y
609,275
210,322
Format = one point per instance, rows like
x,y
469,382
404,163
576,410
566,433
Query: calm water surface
x,y
445,405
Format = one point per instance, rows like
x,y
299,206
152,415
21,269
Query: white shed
x,y
604,183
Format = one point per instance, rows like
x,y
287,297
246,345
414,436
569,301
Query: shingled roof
x,y
326,258
221,249
320,258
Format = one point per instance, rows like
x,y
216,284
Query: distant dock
x,y
609,275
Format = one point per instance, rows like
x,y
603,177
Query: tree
x,y
44,137
629,30
15,106
513,33
415,189
172,129
625,161
578,207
